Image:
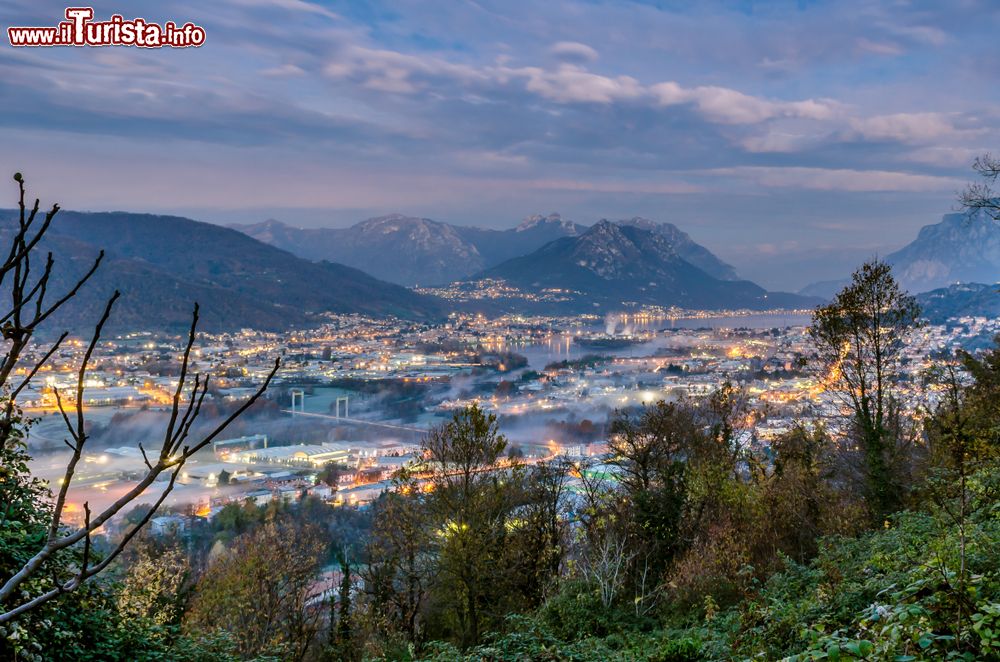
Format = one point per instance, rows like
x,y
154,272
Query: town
x,y
355,397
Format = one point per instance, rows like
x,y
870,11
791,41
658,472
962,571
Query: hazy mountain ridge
x,y
532,233
960,248
614,263
411,251
163,264
400,249
824,289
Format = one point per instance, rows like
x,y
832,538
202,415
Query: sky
x,y
793,139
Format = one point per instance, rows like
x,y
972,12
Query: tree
x,y
262,590
470,504
800,503
330,474
964,438
603,554
536,544
859,337
653,453
401,565
149,595
342,640
29,308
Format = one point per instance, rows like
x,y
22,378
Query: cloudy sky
x,y
793,139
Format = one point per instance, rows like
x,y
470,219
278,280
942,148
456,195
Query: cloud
x,y
776,141
866,45
289,5
925,34
283,71
566,83
572,84
573,52
699,111
839,179
729,106
395,72
904,127
944,156
653,188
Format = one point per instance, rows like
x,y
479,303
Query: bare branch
x,y
72,293
169,434
38,366
176,448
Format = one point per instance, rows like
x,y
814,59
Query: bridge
x,y
357,421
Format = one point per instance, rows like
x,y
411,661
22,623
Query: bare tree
x,y
28,309
606,552
607,565
981,195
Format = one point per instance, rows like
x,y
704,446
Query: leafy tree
x,y
330,474
964,436
150,591
653,454
402,565
470,504
261,589
537,533
343,644
859,337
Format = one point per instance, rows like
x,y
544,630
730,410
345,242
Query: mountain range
x,y
413,251
632,263
163,264
419,251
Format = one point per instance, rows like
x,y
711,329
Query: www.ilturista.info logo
x,y
79,29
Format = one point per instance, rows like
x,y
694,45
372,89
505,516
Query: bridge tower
x,y
298,396
337,410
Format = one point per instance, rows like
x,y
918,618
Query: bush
x,y
576,613
686,649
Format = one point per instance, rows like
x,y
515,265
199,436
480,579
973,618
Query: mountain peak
x,y
395,221
686,247
271,231
605,225
605,229
612,265
537,220
644,223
